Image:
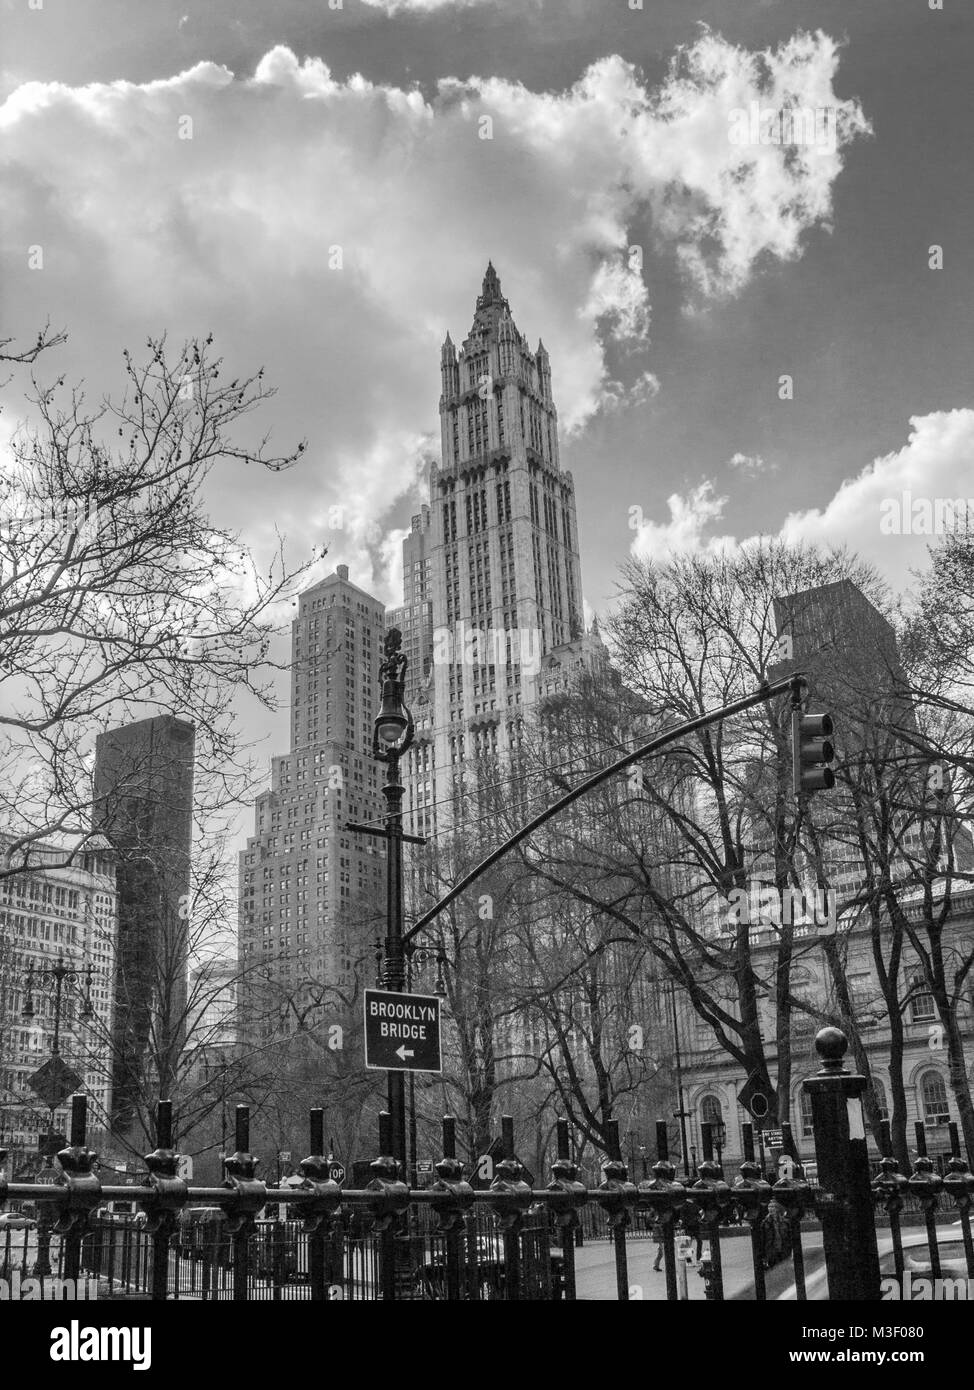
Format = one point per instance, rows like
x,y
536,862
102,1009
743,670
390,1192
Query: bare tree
x,y
119,596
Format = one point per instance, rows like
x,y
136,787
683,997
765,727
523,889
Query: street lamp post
x,y
392,735
682,1114
419,954
58,975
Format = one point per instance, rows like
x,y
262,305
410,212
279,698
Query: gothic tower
x,y
505,583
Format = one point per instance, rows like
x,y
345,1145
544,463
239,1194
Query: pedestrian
x,y
657,1234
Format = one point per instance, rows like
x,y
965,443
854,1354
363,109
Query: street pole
x,y
394,975
392,735
682,1113
57,974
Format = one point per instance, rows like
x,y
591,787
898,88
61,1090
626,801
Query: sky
x,y
746,337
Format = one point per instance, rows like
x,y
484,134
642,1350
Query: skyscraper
x,y
308,888
504,578
415,617
143,805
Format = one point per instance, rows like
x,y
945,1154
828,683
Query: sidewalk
x,y
595,1273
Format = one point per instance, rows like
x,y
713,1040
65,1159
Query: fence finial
x,y
831,1044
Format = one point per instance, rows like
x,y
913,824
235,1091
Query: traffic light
x,y
812,752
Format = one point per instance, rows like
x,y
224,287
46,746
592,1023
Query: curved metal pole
x,y
767,691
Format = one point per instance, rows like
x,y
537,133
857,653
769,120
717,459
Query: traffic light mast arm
x,y
765,692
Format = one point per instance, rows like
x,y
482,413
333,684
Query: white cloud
x,y
204,201
683,533
883,514
750,464
937,462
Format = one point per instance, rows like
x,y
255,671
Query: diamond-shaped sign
x,y
55,1081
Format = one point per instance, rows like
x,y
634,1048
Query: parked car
x,y
16,1221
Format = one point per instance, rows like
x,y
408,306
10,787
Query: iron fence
x,y
508,1241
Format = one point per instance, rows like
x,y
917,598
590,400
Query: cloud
x,y
881,512
750,464
334,229
683,533
887,514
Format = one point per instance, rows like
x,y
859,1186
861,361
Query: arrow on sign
x,y
403,1052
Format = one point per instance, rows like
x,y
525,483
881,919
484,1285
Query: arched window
x,y
712,1113
933,1094
879,1091
806,1112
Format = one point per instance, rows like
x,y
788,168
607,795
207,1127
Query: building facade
x,y
501,553
54,912
713,1080
414,618
143,805
310,889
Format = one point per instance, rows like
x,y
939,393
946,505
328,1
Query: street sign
x,y
55,1081
336,1171
49,1177
184,1167
402,1031
50,1144
754,1099
424,1166
285,1155
773,1139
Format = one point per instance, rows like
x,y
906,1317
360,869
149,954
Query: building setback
x,y
309,890
143,805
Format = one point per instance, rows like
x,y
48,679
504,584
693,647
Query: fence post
x,y
565,1180
84,1188
753,1194
665,1198
453,1199
241,1168
618,1204
170,1195
391,1198
312,1166
511,1198
845,1204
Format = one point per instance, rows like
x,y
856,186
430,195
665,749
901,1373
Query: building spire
x,y
490,291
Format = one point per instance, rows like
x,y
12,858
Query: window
x,y
805,1101
921,1003
879,1091
712,1113
933,1094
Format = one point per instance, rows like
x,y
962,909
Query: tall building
x,y
308,888
415,618
54,912
852,656
502,544
143,805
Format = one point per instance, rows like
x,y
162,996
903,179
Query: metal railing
x,y
451,1242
